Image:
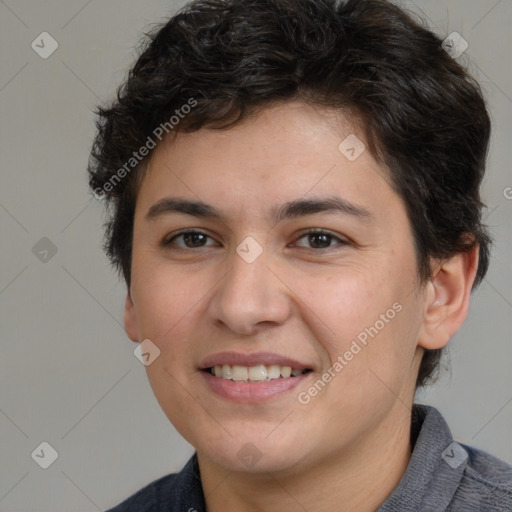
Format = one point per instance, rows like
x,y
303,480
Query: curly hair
x,y
423,115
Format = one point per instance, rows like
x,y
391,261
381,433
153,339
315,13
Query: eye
x,y
319,239
189,240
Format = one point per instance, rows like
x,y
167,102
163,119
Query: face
x,y
265,249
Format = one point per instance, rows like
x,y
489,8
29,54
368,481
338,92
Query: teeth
x,y
239,372
273,371
258,373
225,371
286,371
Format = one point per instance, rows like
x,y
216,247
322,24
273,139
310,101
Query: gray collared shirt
x,y
442,476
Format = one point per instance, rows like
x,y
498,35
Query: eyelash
x,y
166,242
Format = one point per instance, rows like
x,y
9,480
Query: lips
x,y
252,378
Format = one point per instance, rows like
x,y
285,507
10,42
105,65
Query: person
x,y
293,191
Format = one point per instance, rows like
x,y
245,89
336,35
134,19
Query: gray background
x,y
67,371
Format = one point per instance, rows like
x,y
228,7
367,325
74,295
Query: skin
x,y
299,299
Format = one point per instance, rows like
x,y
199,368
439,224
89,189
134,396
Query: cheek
x,y
163,298
168,304
370,319
349,303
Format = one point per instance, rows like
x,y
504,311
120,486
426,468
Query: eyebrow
x,y
292,209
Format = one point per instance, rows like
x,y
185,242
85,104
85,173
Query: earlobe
x,y
130,319
447,299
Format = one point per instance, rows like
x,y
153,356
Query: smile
x,y
259,373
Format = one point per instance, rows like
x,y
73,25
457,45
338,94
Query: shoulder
x,y
486,484
447,476
148,499
172,493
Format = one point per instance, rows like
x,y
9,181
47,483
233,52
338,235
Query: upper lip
x,y
254,359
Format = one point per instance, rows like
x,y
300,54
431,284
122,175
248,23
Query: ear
x,y
447,299
130,319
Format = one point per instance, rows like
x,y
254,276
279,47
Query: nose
x,y
250,296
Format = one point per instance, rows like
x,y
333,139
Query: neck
x,y
357,479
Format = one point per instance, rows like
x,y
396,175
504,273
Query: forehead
x,y
284,153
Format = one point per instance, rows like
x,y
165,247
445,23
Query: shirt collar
x,y
436,467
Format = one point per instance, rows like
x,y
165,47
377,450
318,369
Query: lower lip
x,y
251,392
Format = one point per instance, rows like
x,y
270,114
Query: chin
x,y
257,454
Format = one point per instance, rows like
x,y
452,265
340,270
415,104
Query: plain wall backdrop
x,y
68,375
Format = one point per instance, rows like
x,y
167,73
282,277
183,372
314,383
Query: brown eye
x,y
189,240
319,239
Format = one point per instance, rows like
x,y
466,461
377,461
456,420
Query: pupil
x,y
193,239
323,240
